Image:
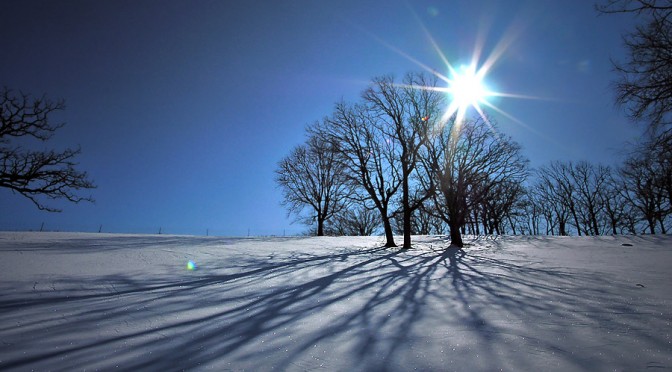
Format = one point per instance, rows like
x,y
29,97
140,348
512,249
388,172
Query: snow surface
x,y
105,301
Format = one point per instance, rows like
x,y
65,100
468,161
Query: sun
x,y
466,89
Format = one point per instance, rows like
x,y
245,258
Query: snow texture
x,y
105,301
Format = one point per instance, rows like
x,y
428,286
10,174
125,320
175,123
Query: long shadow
x,y
95,243
368,309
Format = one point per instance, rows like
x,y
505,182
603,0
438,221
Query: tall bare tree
x,y
405,113
37,174
367,158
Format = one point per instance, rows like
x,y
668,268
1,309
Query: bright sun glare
x,y
466,86
466,89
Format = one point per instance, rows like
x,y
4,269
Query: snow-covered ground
x,y
105,301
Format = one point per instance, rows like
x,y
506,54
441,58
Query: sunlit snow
x,y
105,301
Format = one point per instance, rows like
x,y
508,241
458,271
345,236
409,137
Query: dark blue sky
x,y
183,108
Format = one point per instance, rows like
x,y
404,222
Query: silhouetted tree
x,y
618,211
36,174
560,188
367,158
404,116
551,198
466,162
311,178
503,207
645,175
357,220
532,212
591,186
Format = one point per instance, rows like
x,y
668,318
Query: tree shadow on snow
x,y
366,309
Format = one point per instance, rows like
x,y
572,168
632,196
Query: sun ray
x,y
466,86
522,124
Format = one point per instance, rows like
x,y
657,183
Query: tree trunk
x,y
576,219
389,236
407,229
320,226
513,226
652,225
596,228
455,235
562,230
407,213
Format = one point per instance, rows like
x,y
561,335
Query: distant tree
x,y
311,178
34,174
660,149
645,83
591,183
618,211
424,221
552,201
503,207
357,220
561,190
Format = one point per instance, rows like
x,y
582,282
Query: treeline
x,y
392,162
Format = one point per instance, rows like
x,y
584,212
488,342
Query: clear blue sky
x,y
183,108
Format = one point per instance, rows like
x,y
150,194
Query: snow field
x,y
101,301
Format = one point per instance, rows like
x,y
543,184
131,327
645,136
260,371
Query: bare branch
x,y
36,174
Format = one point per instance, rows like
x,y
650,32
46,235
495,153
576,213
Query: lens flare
x,y
191,266
466,87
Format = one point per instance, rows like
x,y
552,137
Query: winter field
x,y
129,302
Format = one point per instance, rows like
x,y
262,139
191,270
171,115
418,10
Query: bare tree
x,y
367,158
357,220
618,211
559,184
552,201
405,114
504,206
645,174
591,184
466,161
36,174
311,178
645,82
660,150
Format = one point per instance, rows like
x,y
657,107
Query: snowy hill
x,y
104,301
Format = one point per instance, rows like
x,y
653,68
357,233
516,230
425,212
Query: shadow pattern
x,y
431,308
